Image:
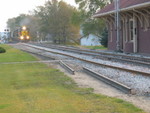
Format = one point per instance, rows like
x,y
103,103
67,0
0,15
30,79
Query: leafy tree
x,y
15,22
91,6
41,13
104,38
21,20
87,9
55,19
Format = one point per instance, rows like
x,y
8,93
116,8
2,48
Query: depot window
x,y
131,35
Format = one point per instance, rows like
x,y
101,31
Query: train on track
x,y
21,34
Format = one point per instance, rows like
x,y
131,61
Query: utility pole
x,y
117,23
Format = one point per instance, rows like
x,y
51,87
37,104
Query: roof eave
x,y
123,9
103,14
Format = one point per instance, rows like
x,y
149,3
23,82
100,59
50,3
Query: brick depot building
x,y
134,27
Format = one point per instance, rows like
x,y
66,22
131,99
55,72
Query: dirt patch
x,y
86,81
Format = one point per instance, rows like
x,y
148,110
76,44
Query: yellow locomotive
x,y
24,34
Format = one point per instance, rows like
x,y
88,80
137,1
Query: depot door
x,y
135,44
133,33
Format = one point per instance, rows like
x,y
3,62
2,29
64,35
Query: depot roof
x,y
124,5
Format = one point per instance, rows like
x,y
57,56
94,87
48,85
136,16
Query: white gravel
x,y
140,84
95,59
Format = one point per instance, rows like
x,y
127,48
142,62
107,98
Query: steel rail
x,y
89,61
107,80
100,52
133,59
64,65
39,53
108,57
69,69
44,55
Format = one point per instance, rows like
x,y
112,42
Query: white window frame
x,y
111,35
126,31
131,31
111,32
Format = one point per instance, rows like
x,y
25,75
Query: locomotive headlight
x,y
24,28
21,37
28,37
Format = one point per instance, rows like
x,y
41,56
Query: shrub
x,y
104,38
2,50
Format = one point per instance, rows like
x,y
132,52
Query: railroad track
x,y
105,55
100,77
90,61
67,67
97,74
109,81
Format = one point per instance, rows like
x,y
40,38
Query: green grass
x,y
95,47
37,88
14,55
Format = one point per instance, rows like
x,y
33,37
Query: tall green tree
x,y
24,20
91,5
87,9
55,19
15,22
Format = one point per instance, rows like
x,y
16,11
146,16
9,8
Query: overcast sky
x,y
12,8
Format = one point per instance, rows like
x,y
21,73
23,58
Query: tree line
x,y
60,22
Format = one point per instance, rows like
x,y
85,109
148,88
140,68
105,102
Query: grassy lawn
x,y
95,47
37,88
14,55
